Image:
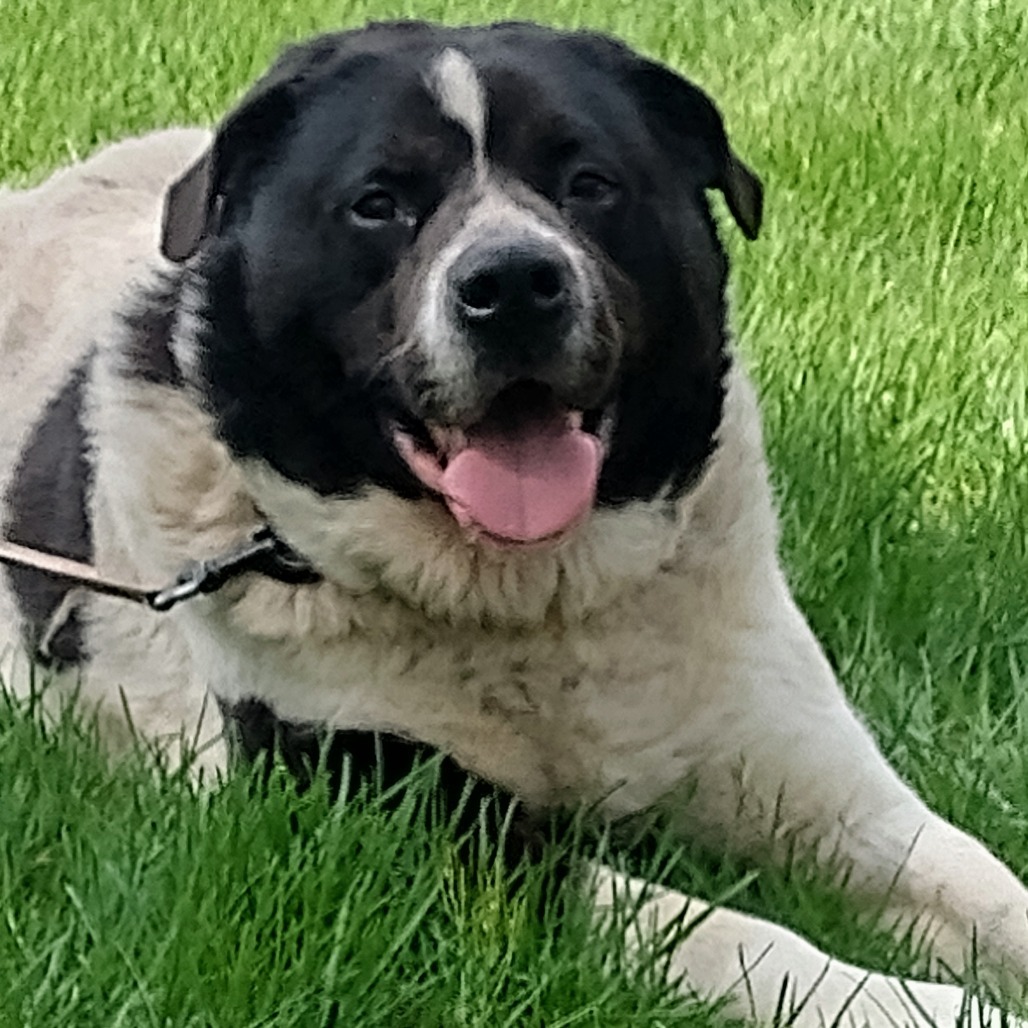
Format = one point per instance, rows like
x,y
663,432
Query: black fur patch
x,y
289,403
355,760
150,321
47,509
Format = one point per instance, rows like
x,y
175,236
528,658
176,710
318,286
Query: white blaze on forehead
x,y
461,95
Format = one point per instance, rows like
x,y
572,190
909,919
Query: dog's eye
x,y
375,206
592,187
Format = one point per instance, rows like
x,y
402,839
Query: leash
x,y
264,553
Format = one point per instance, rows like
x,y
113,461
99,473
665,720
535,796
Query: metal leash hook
x,y
264,553
190,582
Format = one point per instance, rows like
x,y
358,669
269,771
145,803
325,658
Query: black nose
x,y
510,289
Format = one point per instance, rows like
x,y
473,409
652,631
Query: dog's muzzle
x,y
514,300
517,368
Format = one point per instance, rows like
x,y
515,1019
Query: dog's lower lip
x,y
448,441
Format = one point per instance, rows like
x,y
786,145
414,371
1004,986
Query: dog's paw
x,y
765,974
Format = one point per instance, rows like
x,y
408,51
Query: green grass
x,y
885,314
129,900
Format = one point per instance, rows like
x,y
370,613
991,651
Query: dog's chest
x,y
594,712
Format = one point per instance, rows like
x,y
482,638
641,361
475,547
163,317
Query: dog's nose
x,y
513,292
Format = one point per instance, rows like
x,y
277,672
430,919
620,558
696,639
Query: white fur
x,y
656,658
461,95
493,212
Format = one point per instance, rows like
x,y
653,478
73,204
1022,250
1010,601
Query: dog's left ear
x,y
687,120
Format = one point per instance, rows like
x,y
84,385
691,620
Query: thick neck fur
x,y
188,497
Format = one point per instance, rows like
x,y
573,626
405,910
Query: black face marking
x,y
359,760
560,136
325,188
47,509
149,323
294,407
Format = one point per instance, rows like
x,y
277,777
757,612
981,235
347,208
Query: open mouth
x,y
525,474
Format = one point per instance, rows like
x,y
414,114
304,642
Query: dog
x,y
444,311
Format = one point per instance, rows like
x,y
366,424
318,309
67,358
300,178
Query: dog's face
x,y
474,264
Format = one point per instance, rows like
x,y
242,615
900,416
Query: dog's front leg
x,y
766,973
972,909
780,762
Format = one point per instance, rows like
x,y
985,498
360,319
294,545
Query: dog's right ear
x,y
194,202
197,202
189,210
245,140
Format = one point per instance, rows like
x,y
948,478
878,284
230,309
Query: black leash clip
x,y
263,553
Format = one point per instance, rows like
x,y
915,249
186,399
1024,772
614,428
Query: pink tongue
x,y
527,485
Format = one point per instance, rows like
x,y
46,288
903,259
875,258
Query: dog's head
x,y
476,265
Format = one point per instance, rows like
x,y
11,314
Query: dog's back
x,y
68,250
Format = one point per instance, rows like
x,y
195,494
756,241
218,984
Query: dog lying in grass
x,y
446,310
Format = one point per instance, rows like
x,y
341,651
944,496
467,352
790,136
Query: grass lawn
x,y
885,315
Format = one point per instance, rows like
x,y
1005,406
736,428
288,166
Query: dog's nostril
x,y
481,294
546,283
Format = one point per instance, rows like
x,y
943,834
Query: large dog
x,y
446,308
